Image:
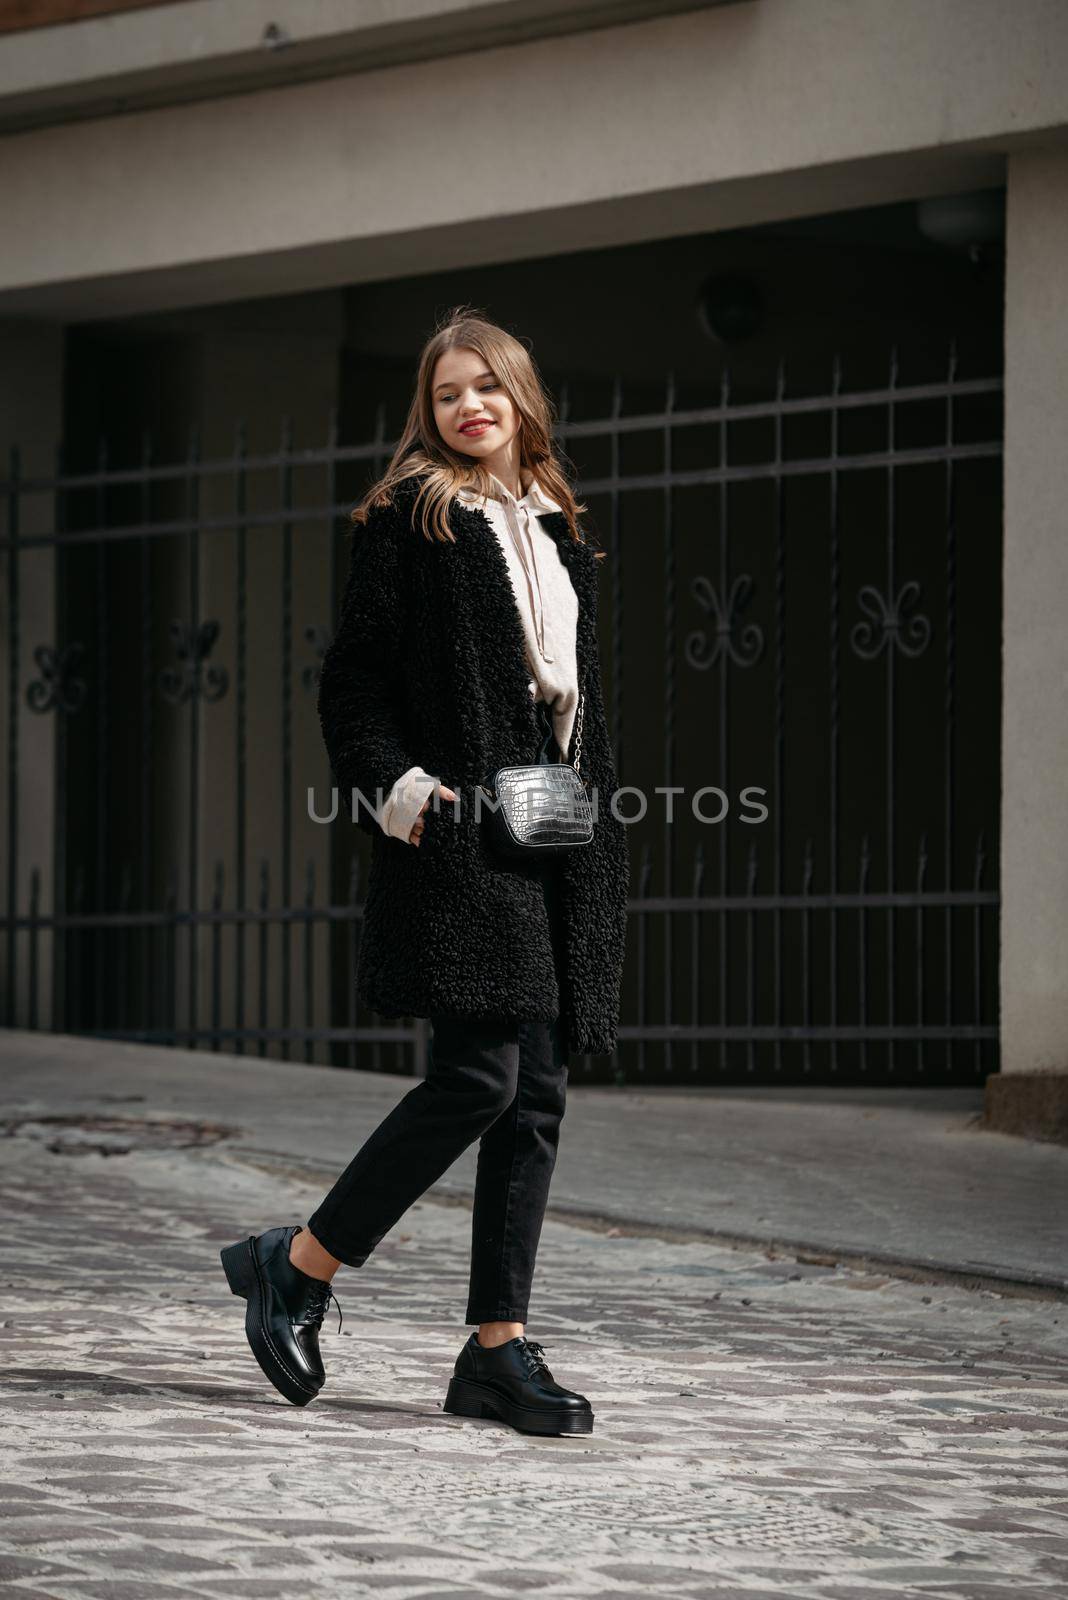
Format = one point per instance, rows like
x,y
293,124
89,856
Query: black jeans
x,y
499,1080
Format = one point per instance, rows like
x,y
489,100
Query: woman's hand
x,y
418,824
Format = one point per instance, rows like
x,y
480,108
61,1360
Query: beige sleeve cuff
x,y
405,801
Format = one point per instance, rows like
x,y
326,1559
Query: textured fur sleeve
x,y
358,704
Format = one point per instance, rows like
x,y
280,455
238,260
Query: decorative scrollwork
x,y
317,636
749,645
58,686
190,677
889,624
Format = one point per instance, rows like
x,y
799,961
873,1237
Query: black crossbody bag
x,y
541,809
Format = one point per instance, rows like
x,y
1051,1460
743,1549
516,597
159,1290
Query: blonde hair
x,y
421,449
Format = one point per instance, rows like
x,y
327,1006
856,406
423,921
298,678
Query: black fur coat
x,y
427,667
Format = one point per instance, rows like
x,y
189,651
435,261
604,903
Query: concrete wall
x,y
710,119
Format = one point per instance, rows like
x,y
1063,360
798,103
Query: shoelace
x,y
536,1363
318,1300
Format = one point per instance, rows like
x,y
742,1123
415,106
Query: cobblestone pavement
x,y
764,1427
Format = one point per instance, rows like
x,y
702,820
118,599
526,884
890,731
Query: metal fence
x,y
801,598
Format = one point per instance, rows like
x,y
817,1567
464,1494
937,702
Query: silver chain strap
x,y
578,730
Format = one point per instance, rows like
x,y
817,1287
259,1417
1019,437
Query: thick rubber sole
x,y
244,1277
467,1399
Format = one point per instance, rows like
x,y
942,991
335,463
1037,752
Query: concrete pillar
x,y
1030,1095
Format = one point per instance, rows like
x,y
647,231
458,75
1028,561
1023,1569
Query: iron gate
x,y
800,613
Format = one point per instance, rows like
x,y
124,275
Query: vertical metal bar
x,y
836,700
265,892
240,732
862,954
724,712
891,708
170,950
309,959
331,500
616,597
13,647
216,954
779,752
77,951
147,679
921,1005
35,913
123,935
380,457
670,693
977,954
806,959
696,890
61,933
950,697
616,523
101,946
334,940
645,872
193,886
161,958
750,960
287,716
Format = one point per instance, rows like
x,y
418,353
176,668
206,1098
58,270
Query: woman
x,y
467,634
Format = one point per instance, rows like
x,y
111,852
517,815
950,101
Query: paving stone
x,y
47,1529
506,1580
124,1589
37,1594
15,1567
282,1587
129,1560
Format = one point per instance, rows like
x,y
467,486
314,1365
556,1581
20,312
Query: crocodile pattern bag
x,y
541,809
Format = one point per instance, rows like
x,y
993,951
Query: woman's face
x,y
472,410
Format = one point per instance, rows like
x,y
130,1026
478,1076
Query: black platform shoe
x,y
512,1383
284,1312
